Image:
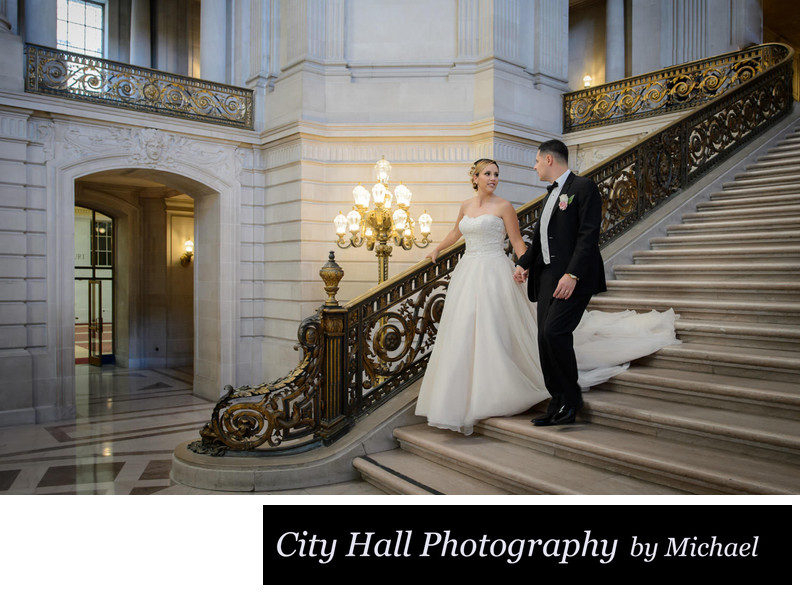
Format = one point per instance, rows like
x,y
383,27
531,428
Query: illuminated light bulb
x,y
382,170
361,196
403,195
425,222
340,222
353,220
400,218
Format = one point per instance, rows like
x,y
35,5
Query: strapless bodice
x,y
483,235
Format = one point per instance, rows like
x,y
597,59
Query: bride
x,y
485,361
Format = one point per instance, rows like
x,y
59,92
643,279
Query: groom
x,y
567,271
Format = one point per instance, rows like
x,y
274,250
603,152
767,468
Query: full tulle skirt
x,y
485,361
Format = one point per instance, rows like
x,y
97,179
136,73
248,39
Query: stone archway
x,y
215,272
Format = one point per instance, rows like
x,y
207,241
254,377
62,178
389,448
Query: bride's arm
x,y
509,216
449,239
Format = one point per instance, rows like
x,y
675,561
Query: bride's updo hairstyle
x,y
479,166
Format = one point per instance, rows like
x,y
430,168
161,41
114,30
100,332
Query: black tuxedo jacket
x,y
573,235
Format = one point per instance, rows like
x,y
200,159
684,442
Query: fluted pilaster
x,y
690,30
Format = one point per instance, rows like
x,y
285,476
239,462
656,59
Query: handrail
x,y
667,90
85,78
358,356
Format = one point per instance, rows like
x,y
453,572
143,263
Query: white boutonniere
x,y
564,201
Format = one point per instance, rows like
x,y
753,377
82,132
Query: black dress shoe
x,y
564,415
542,420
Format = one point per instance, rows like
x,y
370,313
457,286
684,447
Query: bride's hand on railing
x,y
432,255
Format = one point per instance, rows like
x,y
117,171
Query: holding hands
x,y
520,275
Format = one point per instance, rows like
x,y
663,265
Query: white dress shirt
x,y
547,213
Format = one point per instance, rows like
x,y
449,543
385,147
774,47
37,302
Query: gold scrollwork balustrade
x,y
358,356
671,89
85,78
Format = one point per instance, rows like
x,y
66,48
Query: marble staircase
x,y
717,414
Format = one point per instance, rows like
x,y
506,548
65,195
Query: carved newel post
x,y
333,397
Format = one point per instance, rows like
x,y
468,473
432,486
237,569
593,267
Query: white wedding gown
x,y
486,360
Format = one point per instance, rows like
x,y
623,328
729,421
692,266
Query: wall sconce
x,y
587,81
188,252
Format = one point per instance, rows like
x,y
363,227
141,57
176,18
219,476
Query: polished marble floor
x,y
121,442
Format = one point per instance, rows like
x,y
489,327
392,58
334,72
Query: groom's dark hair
x,y
556,148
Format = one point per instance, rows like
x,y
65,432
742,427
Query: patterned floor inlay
x,y
121,441
157,470
147,489
7,478
63,475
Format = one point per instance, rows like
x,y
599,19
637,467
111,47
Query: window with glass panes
x,y
80,26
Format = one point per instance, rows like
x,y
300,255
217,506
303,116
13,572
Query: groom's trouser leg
x,y
557,320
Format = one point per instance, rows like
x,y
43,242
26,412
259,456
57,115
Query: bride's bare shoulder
x,y
504,205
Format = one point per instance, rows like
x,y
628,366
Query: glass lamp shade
x,y
425,222
382,170
403,195
400,218
387,199
361,196
378,193
340,222
353,220
188,247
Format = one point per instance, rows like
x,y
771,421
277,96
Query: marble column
x,y
213,49
615,40
40,22
140,34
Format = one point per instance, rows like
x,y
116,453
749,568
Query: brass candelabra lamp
x,y
380,226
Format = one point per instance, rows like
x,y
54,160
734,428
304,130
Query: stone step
x,y
765,162
747,191
775,169
783,148
782,183
400,472
787,145
732,271
742,214
720,201
701,470
744,335
742,311
776,238
515,468
752,291
733,226
770,437
756,254
779,155
761,363
740,394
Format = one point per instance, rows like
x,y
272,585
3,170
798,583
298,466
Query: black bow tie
x,y
552,186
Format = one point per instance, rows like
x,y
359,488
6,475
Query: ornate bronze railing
x,y
670,89
358,356
84,78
